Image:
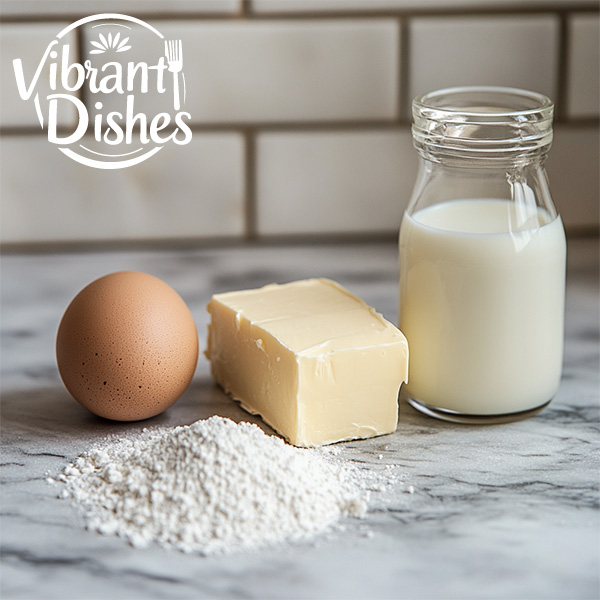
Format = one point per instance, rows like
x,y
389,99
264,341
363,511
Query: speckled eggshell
x,y
127,346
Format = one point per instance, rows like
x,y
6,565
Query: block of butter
x,y
314,361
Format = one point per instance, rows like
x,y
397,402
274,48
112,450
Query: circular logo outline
x,y
90,162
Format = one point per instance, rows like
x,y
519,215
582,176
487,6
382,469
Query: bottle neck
x,y
460,179
489,157
486,126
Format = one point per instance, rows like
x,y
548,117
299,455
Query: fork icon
x,y
174,54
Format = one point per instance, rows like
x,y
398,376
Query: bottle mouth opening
x,y
482,120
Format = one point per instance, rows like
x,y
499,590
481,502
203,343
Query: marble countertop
x,y
499,512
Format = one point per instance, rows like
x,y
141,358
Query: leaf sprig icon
x,y
110,42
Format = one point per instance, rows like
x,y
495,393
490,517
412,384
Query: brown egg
x,y
127,346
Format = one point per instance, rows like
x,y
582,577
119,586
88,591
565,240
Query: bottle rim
x,y
432,100
482,120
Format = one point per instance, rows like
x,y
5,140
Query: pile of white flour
x,y
211,487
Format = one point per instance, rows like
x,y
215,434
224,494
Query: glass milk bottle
x,y
482,258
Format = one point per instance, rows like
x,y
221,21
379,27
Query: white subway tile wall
x,y
185,192
584,66
333,182
515,51
300,113
28,43
294,70
573,169
273,71
286,6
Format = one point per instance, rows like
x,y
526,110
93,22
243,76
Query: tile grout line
x,y
82,92
250,200
246,12
288,126
404,100
245,9
562,67
32,131
578,232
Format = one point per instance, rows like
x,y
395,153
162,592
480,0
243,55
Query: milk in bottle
x,y
482,258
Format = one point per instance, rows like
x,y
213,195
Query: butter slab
x,y
314,361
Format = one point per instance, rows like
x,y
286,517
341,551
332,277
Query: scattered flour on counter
x,y
213,487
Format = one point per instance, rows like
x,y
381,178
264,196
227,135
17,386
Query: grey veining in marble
x,y
504,511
